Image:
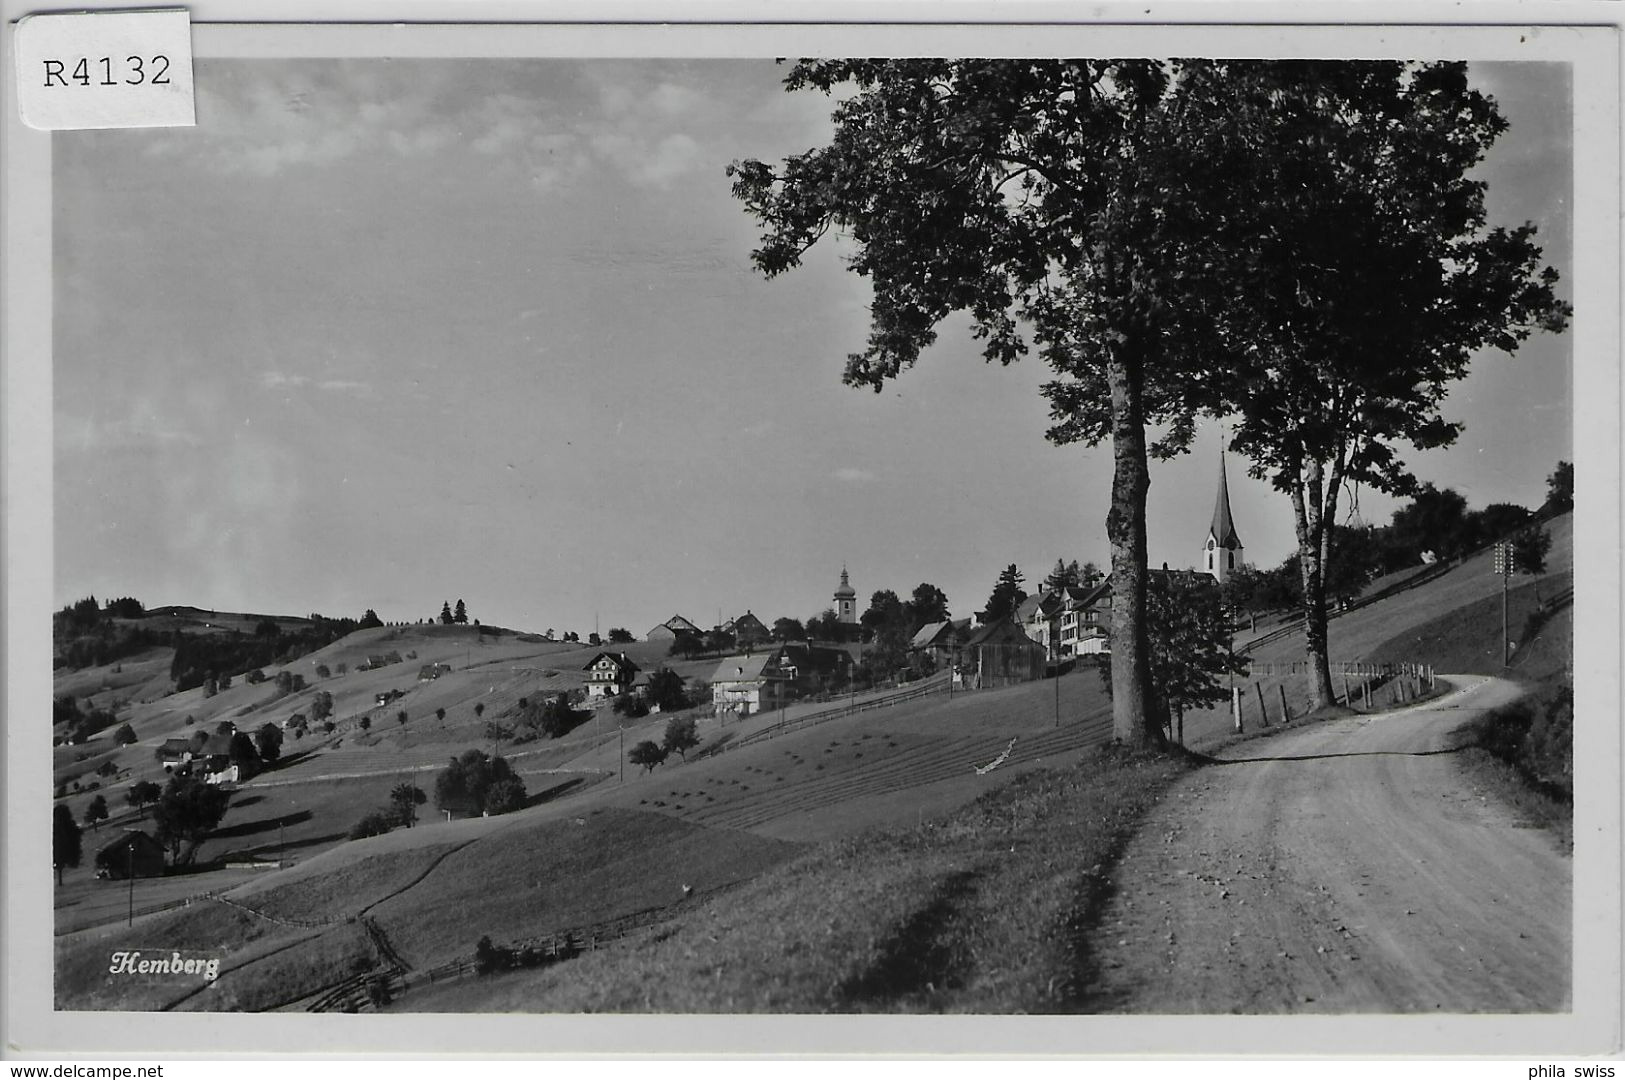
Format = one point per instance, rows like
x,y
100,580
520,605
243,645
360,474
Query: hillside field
x,y
600,841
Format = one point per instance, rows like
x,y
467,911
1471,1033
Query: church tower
x,y
1222,554
846,601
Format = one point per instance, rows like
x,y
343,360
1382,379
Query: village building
x,y
746,630
846,601
431,672
609,675
940,641
174,753
673,628
1222,554
1001,654
135,854
746,685
814,668
1069,621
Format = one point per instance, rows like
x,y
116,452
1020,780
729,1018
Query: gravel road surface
x,y
1344,867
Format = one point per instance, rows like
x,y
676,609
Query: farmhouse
x,y
747,630
1069,621
431,672
745,685
811,668
1001,654
135,854
670,630
940,640
174,753
609,675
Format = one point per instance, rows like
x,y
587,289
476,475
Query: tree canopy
x,y
1359,277
1044,199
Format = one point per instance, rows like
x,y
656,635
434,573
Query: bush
x,y
646,754
476,783
505,796
631,706
377,823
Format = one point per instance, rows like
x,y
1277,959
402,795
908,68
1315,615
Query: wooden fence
x,y
1362,685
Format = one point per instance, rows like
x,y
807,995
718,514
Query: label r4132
x,y
107,71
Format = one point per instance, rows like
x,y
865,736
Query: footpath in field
x,y
1343,867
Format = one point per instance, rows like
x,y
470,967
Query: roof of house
x,y
176,746
1001,632
757,667
935,633
130,838
677,622
622,662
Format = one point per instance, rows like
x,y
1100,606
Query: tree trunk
x,y
1133,719
1310,526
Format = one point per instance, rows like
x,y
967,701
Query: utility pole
x,y
622,730
130,849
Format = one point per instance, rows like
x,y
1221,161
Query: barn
x,y
135,854
1001,654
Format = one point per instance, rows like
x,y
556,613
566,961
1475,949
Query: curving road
x,y
1343,867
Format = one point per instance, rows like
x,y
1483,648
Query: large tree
x,y
1044,193
186,813
1191,657
65,841
1350,229
1006,597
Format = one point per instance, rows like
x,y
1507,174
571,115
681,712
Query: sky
x,y
384,333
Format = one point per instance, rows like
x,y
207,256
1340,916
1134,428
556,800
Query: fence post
x,y
1263,713
1346,700
1286,714
1235,706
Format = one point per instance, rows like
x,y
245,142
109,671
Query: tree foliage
x,y
1560,488
470,784
646,753
681,736
185,814
268,741
1357,275
1007,595
404,800
96,812
65,839
1053,195
667,690
141,793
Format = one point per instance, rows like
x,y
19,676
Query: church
x,y
1223,554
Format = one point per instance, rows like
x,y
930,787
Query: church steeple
x,y
1223,552
846,601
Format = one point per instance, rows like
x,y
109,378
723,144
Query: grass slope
x,y
985,910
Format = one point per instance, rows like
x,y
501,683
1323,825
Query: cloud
x,y
856,476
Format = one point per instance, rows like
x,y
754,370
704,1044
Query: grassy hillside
x,y
830,824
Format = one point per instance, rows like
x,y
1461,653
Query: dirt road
x,y
1343,867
